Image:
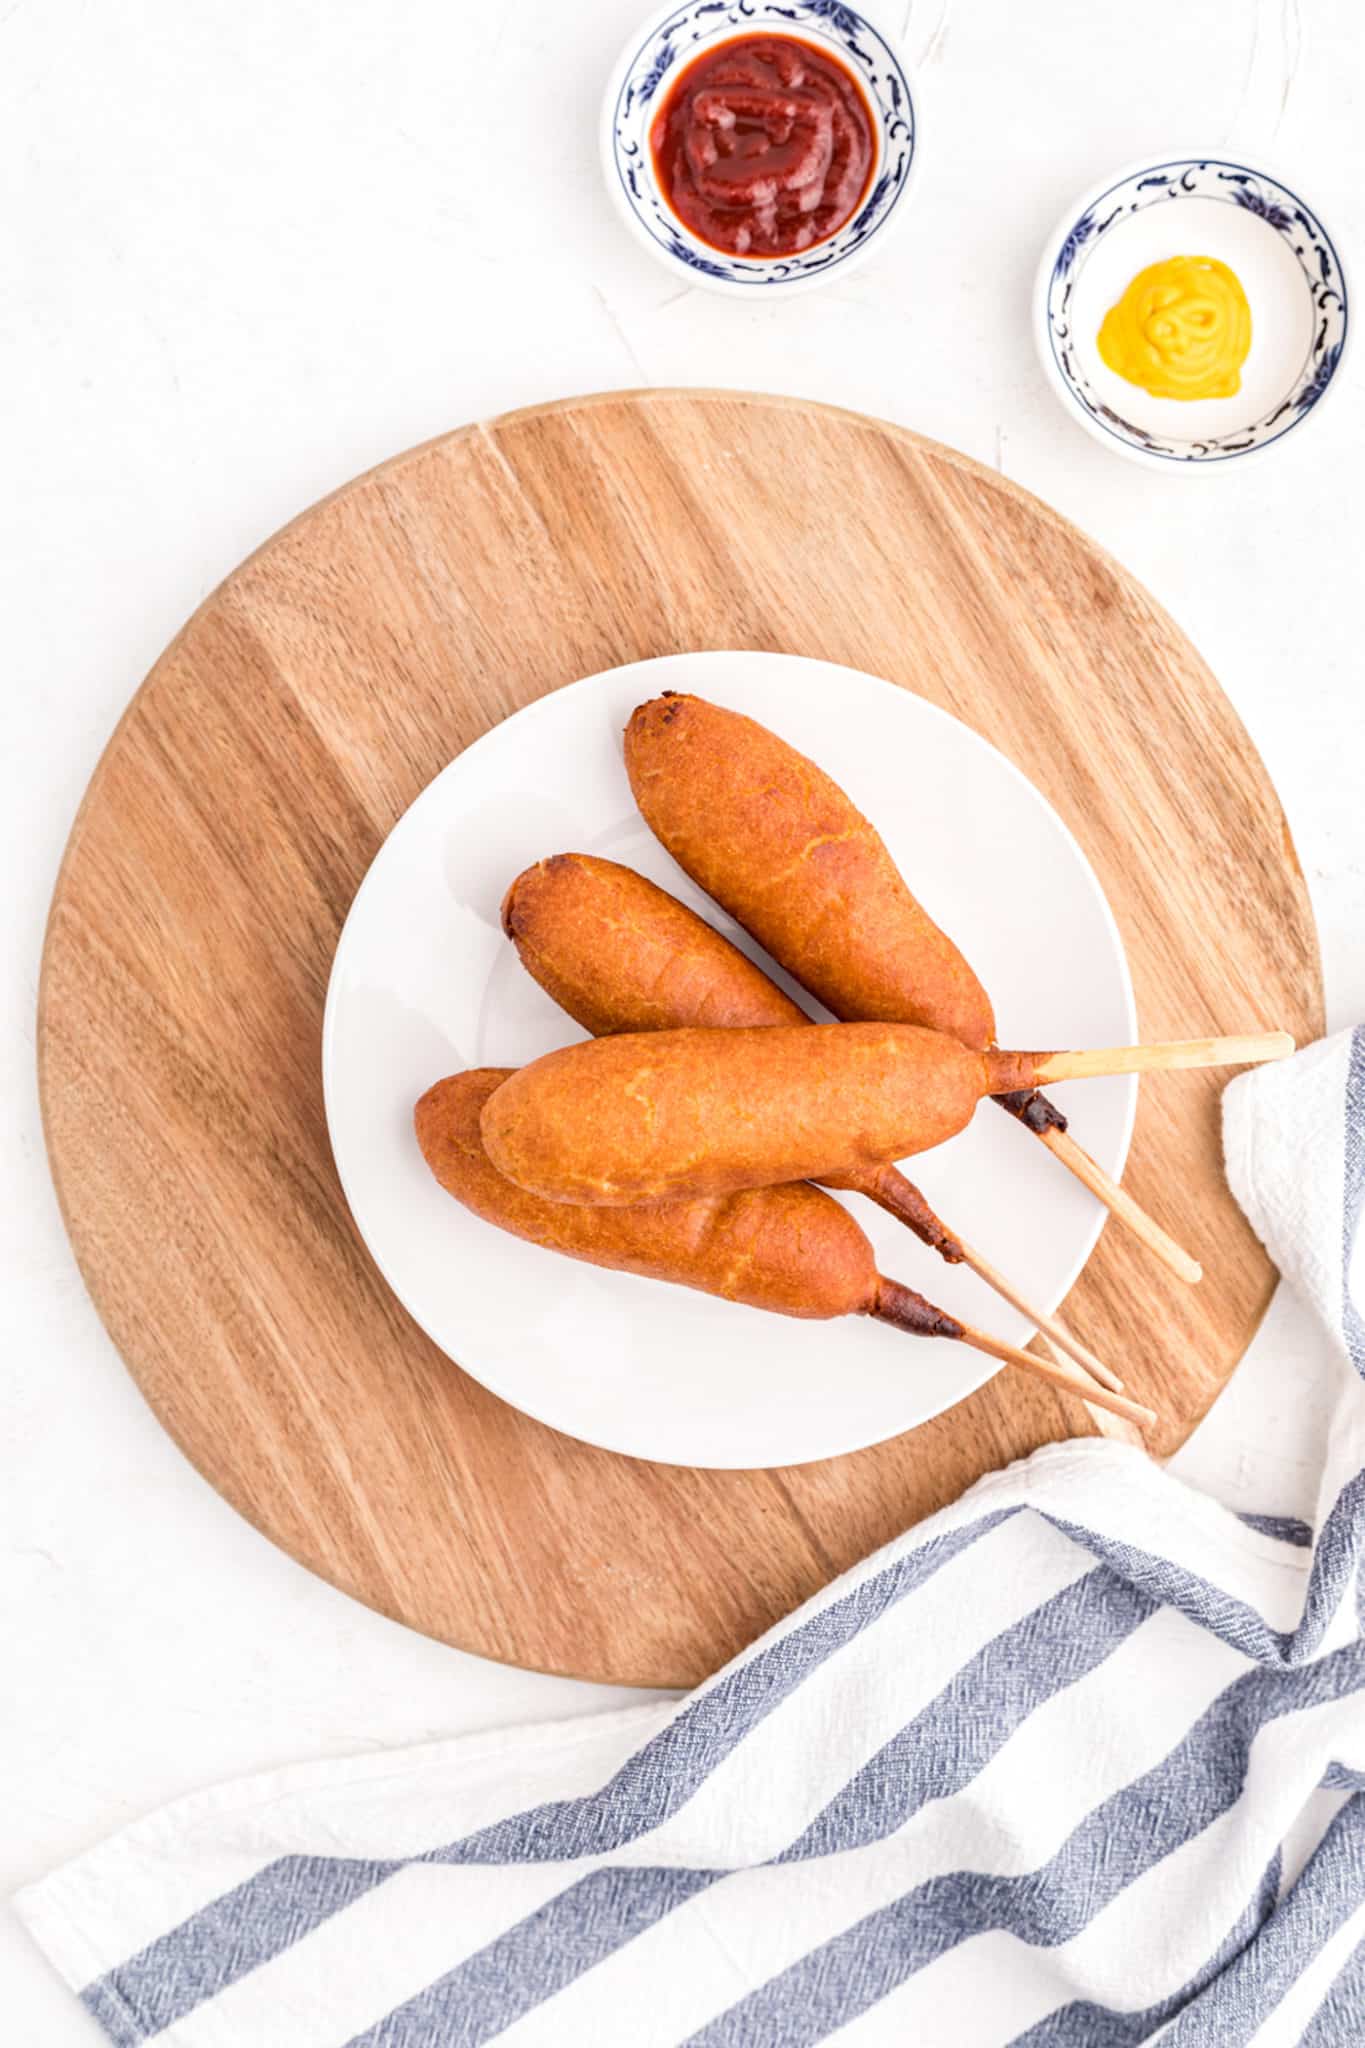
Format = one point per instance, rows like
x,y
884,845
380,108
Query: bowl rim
x,y
796,32
1083,202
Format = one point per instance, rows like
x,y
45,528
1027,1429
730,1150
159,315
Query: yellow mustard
x,y
1181,330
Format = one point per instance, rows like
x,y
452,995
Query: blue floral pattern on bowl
x,y
682,34
1234,184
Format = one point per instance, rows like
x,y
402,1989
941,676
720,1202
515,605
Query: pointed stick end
x,y
1062,1377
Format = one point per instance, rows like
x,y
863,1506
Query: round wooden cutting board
x,y
241,801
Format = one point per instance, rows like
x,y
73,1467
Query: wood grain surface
x,y
248,787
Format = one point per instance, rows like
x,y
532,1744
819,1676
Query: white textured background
x,y
250,247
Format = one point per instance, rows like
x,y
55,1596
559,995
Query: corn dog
x,y
790,1250
778,844
669,1115
783,849
620,954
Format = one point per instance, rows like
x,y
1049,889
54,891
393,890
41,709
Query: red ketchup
x,y
764,146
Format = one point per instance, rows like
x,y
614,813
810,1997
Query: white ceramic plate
x,y
424,984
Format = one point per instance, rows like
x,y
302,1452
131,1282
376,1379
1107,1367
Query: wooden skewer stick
x,y
1061,1338
1248,1051
1121,1204
890,1190
1063,1377
1043,1121
1116,1426
906,1310
1107,1423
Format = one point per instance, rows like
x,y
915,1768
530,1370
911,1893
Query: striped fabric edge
x,y
599,1913
1056,1470
113,2003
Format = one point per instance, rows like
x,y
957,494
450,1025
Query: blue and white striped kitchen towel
x,y
1080,1761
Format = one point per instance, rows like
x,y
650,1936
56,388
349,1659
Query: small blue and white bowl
x,y
1194,206
681,33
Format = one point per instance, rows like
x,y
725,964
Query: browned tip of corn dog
x,y
888,1187
910,1311
667,1115
791,1250
784,850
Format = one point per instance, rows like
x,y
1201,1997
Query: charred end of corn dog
x,y
1033,1110
910,1311
888,1187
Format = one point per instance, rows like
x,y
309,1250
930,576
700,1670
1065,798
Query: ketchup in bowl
x,y
764,146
